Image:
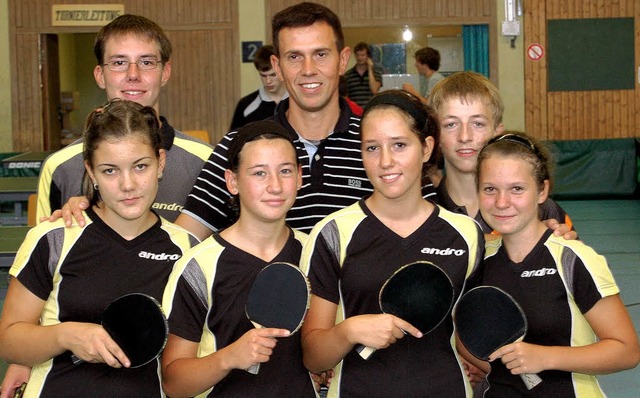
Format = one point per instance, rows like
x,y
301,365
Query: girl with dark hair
x,y
211,341
63,278
351,253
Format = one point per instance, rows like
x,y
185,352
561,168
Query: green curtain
x,y
475,39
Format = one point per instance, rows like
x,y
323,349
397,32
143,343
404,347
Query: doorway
x,y
70,90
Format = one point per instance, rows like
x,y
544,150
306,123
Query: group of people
x,y
313,185
364,79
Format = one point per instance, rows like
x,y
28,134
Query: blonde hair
x,y
468,86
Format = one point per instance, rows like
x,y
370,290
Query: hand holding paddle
x,y
138,325
488,318
279,298
419,293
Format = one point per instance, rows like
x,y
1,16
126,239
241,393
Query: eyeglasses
x,y
120,65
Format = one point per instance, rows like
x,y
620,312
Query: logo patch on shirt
x,y
159,256
167,206
540,272
352,182
442,252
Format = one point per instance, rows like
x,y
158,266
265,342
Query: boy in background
x,y
260,104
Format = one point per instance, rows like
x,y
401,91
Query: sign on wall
x,y
85,14
249,49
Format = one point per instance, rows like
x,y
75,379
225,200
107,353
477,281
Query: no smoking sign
x,y
535,52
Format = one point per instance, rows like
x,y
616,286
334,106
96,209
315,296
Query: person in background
x,y
365,78
578,326
211,341
470,111
260,104
427,64
344,93
352,252
133,57
64,277
310,57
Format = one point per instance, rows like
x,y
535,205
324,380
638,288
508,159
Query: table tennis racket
x,y
420,293
138,325
487,318
279,298
20,391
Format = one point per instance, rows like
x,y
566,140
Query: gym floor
x,y
612,228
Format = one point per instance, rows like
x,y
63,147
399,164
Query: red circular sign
x,y
535,52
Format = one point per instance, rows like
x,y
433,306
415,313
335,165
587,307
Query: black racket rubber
x,y
488,318
421,293
279,297
137,323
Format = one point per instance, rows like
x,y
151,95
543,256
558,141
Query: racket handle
x,y
76,360
254,369
530,380
365,352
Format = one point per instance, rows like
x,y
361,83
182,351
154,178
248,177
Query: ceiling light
x,y
407,35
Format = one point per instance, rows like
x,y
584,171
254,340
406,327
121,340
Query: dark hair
x,y
117,119
521,146
428,56
362,46
422,119
135,25
303,15
468,86
263,129
262,58
260,130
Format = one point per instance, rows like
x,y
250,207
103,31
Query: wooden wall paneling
x,y
26,97
604,116
611,126
578,114
204,71
565,113
205,84
633,118
387,13
391,12
634,98
594,107
536,109
616,109
572,116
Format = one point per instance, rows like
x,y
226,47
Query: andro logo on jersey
x,y
167,206
442,252
540,272
159,256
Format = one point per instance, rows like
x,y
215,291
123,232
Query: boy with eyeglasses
x,y
133,63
